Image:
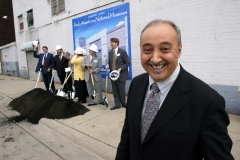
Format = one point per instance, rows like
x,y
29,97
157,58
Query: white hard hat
x,y
35,43
114,75
94,48
84,52
78,50
58,47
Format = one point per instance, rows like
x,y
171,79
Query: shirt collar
x,y
165,85
116,49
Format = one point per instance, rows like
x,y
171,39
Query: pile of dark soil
x,y
39,103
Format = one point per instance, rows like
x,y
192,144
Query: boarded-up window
x,y
30,18
57,6
20,21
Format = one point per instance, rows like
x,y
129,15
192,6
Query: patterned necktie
x,y
44,59
114,60
151,109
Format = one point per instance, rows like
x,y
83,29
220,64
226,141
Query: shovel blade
x,y
73,95
93,96
61,93
105,101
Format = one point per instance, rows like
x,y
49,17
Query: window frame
x,y
20,22
55,7
30,24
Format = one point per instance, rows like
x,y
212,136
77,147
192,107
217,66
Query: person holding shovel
x,y
79,75
45,65
61,61
93,65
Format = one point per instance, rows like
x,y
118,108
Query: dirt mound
x,y
39,103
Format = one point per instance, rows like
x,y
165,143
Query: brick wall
x,y
7,34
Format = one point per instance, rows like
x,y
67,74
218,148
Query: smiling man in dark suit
x,y
45,62
171,115
120,64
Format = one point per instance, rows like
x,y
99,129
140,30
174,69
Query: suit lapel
x,y
48,56
172,104
42,56
138,102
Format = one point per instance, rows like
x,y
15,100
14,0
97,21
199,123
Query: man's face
x,y
59,51
67,57
113,44
45,50
160,51
92,53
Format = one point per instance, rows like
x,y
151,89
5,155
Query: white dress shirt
x,y
91,58
116,49
164,87
44,54
60,57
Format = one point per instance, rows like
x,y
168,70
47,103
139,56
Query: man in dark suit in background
x,y
120,64
45,62
61,61
171,115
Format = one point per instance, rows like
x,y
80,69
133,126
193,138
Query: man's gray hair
x,y
156,21
66,54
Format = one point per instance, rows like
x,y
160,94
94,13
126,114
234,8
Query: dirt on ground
x,y
38,103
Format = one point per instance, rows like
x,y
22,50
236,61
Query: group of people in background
x,y
86,72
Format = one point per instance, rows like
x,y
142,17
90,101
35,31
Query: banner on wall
x,y
99,27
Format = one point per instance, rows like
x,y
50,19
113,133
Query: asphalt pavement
x,y
94,135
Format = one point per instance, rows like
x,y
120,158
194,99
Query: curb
x,y
85,142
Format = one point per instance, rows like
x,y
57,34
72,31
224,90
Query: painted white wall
x,y
210,31
210,35
8,53
51,30
9,59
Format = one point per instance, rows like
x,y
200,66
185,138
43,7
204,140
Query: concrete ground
x,y
96,134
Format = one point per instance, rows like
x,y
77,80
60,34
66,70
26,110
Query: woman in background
x,y
79,75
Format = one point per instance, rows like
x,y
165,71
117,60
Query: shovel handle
x,y
92,80
51,81
106,84
38,77
66,78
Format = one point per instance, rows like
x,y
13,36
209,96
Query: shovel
x,y
105,101
73,91
39,72
93,96
50,85
60,92
73,95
